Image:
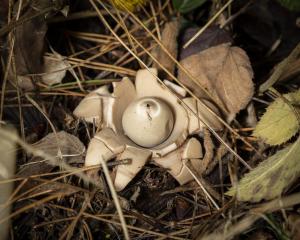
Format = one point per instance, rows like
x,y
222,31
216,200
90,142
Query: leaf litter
x,y
225,72
225,60
61,145
270,178
281,120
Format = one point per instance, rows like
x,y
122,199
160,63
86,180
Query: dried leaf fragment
x,y
281,120
29,48
225,72
169,41
269,179
29,43
55,69
71,149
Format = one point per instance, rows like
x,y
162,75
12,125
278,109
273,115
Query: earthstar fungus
x,y
144,121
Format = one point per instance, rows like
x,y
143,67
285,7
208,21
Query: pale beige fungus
x,y
144,121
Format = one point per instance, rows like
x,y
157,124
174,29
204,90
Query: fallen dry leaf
x,y
225,72
169,41
55,69
29,48
72,150
29,45
25,82
271,177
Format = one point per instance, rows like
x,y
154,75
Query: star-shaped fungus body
x,y
144,121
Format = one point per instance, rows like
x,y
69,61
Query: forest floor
x,y
240,58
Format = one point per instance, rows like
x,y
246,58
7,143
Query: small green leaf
x,y
281,120
185,6
269,179
293,5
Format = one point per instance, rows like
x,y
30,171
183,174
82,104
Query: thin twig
x,y
115,198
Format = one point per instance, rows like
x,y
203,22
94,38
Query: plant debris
x,y
62,145
224,72
269,179
281,120
150,119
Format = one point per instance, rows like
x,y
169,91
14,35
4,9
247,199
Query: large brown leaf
x,y
225,72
